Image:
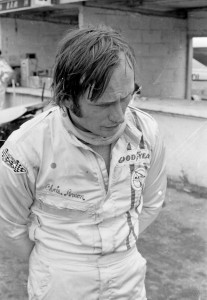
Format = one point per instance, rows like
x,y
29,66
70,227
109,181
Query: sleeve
x,y
16,198
155,185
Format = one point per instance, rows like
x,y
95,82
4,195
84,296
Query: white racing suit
x,y
56,191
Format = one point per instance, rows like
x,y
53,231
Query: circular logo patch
x,y
138,178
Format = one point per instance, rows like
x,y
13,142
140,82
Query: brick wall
x,y
197,23
19,37
160,44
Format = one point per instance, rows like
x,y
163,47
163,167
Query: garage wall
x,y
19,37
186,145
197,23
160,44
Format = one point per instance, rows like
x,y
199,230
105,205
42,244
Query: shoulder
x,y
33,128
144,122
25,144
141,118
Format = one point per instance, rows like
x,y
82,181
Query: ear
x,y
68,104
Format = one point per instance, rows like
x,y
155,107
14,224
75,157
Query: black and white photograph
x,y
103,150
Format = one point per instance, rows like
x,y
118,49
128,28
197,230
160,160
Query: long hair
x,y
85,60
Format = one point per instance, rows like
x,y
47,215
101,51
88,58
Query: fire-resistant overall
x,y
55,190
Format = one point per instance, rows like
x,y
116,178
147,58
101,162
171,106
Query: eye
x,y
104,105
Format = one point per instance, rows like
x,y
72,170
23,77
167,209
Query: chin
x,y
107,133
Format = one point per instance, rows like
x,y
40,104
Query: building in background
x,y
161,33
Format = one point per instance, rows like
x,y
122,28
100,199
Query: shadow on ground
x,y
174,246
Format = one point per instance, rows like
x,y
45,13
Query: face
x,y
104,116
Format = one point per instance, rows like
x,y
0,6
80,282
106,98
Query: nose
x,y
116,113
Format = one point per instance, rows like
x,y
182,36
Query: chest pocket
x,y
74,210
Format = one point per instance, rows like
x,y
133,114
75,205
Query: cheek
x,y
96,118
124,106
100,114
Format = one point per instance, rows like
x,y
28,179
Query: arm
x,y
16,197
155,186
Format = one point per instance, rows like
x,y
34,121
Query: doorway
x,y
199,69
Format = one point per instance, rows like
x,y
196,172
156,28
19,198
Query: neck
x,y
74,120
87,136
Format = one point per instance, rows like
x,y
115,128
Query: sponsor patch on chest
x,y
138,176
142,155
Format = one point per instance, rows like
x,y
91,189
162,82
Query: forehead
x,y
121,83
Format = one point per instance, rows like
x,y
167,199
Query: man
x,y
80,181
6,73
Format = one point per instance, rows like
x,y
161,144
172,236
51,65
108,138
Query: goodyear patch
x,y
12,163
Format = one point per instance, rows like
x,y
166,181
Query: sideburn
x,y
75,108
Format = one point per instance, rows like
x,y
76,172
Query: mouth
x,y
111,127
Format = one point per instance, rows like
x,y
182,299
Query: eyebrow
x,y
105,103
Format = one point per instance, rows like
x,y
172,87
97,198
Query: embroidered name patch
x,y
68,193
12,163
